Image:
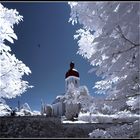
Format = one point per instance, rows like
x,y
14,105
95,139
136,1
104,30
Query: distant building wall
x,y
58,109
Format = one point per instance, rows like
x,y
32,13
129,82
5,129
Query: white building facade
x,y
72,81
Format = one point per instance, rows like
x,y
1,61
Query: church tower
x,y
72,78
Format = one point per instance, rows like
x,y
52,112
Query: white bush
x,y
119,131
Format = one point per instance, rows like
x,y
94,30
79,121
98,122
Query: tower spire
x,y
71,65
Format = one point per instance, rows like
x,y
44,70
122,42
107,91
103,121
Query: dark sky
x,y
46,24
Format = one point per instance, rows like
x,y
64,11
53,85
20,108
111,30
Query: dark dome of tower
x,y
72,71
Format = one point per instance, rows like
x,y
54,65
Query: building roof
x,y
72,71
58,99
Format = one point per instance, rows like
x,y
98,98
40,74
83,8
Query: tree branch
x,y
125,97
6,73
119,30
136,45
10,69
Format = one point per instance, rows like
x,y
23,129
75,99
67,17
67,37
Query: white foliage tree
x,y
109,40
77,100
79,95
11,69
